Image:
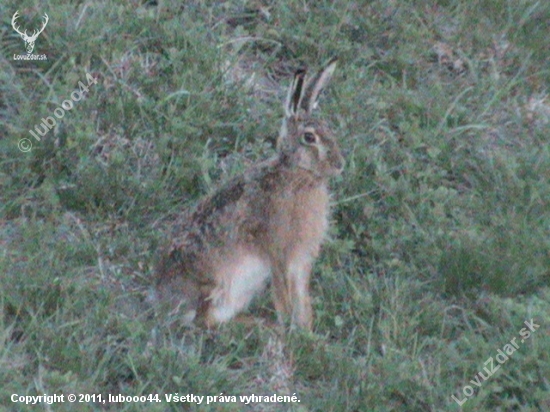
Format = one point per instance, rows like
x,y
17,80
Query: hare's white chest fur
x,y
241,279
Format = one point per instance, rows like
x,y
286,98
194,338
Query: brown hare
x,y
266,224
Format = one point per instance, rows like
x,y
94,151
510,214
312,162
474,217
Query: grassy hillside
x,y
439,250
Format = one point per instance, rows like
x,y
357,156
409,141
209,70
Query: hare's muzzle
x,y
337,163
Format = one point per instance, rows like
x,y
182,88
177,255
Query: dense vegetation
x,y
440,245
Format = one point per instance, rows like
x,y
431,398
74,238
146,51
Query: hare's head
x,y
306,142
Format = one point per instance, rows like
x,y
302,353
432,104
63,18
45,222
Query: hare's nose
x,y
339,164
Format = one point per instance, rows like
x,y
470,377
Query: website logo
x,y
29,40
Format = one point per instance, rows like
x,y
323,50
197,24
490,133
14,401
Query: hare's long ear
x,y
295,92
315,85
292,105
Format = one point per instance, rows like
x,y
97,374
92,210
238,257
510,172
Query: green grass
x,y
440,243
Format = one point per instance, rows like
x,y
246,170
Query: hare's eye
x,y
309,138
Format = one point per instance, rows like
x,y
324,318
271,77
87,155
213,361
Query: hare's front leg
x,y
291,292
279,289
298,282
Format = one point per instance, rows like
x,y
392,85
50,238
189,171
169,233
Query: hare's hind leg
x,y
241,276
176,300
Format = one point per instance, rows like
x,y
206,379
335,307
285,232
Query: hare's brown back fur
x,y
267,223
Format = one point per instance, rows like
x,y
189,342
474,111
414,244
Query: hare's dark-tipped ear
x,y
295,93
316,84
